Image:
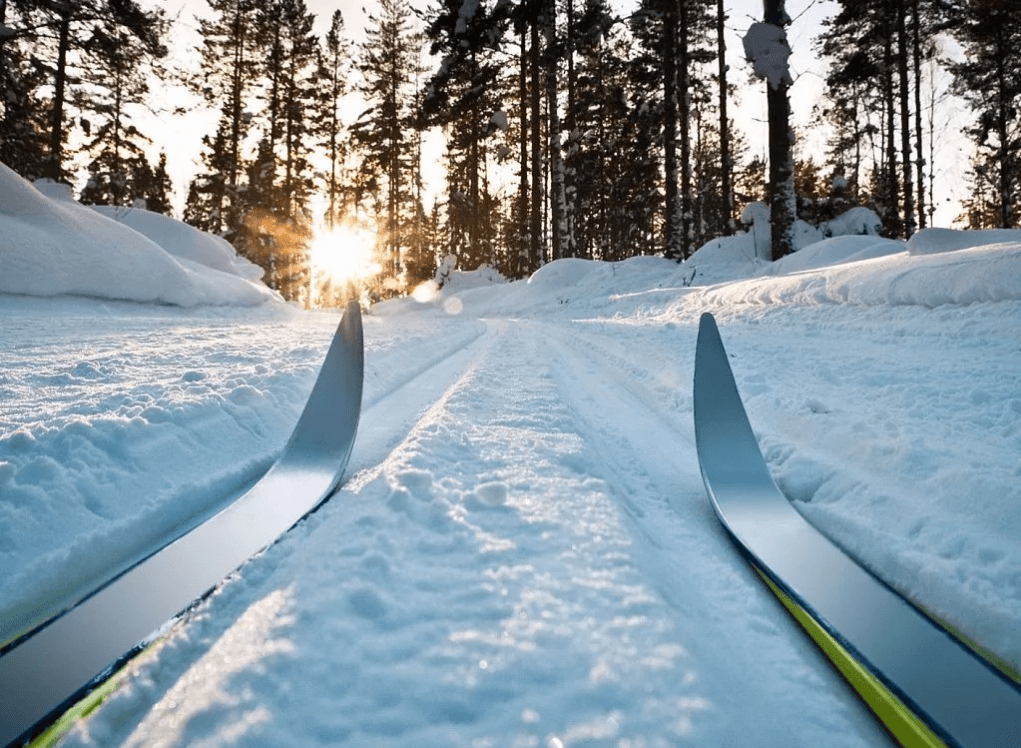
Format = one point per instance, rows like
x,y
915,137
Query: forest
x,y
569,128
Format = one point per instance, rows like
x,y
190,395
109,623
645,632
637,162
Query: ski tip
x,y
707,325
351,322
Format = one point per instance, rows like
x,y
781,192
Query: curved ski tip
x,y
351,322
707,323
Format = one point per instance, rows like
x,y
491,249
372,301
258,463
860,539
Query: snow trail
x,y
517,546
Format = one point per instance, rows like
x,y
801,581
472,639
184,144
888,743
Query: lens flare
x,y
346,253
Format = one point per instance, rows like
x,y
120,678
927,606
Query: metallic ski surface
x,y
39,673
957,695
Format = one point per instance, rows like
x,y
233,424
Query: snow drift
x,y
51,247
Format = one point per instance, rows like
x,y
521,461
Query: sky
x,y
748,108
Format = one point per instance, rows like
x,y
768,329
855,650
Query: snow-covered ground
x,y
523,553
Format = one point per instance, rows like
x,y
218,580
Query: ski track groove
x,y
623,584
674,517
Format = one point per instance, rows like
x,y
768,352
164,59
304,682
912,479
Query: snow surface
x,y
523,553
50,245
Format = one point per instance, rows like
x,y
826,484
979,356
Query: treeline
x,y
570,131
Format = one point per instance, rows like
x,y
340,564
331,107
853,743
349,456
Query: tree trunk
x,y
56,171
535,219
570,188
905,118
474,166
560,237
782,202
684,105
673,249
523,263
1003,132
916,50
728,226
236,104
892,177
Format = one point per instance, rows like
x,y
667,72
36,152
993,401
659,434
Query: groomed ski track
x,y
624,582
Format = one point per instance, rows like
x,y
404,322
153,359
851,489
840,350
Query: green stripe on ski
x,y
89,703
905,726
52,735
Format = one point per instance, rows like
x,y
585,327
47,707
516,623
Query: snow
x,y
522,553
766,47
50,245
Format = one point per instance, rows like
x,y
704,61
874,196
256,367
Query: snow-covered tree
x,y
767,49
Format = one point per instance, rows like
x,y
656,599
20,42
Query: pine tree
x,y
153,186
463,96
23,109
229,71
117,78
58,33
606,158
989,78
333,75
386,60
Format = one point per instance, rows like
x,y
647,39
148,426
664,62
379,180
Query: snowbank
x,y
967,276
730,257
936,241
836,251
51,247
184,241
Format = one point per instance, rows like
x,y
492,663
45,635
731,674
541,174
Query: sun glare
x,y
347,253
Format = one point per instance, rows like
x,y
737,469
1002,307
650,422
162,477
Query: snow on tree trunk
x,y
767,49
558,200
672,223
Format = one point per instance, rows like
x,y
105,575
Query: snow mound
x,y
860,221
968,276
937,241
560,273
838,250
52,247
725,259
574,287
182,240
462,280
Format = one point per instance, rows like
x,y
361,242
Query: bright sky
x,y
749,109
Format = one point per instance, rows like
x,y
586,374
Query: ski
x,y
45,671
926,687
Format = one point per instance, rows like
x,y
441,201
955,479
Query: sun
x,y
344,254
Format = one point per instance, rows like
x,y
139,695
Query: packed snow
x,y
523,553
